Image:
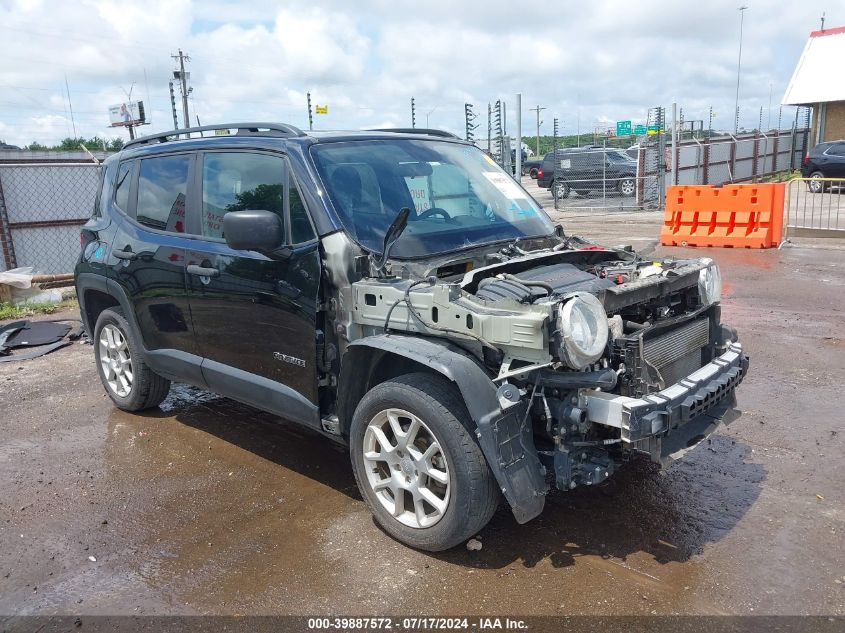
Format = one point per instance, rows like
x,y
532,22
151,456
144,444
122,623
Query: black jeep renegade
x,y
400,293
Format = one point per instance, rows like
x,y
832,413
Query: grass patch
x,y
12,311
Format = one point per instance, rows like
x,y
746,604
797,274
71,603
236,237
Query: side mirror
x,y
394,231
253,230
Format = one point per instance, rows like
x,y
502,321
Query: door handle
x,y
193,269
125,255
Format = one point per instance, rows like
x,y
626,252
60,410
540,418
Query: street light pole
x,y
738,66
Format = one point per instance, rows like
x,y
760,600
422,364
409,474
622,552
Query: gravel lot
x,y
208,506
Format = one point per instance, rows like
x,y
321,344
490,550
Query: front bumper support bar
x,y
659,413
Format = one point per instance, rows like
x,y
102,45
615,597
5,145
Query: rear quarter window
x,y
162,191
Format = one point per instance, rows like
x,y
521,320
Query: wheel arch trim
x,y
505,437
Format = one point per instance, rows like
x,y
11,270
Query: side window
x,y
837,149
300,225
121,188
106,173
162,189
239,181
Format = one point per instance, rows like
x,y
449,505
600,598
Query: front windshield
x,y
457,195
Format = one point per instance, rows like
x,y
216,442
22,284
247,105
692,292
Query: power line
x,y
70,104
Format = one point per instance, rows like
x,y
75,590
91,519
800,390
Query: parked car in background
x,y
530,167
588,169
825,160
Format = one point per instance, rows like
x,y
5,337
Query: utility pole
x,y
489,128
182,76
310,117
518,155
173,106
538,109
129,103
738,66
413,114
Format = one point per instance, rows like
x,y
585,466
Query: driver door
x,y
254,316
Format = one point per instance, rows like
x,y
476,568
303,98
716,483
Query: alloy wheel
x,y
626,187
406,468
116,360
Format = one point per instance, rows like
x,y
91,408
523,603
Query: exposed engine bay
x,y
586,346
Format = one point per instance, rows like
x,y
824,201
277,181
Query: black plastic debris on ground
x,y
42,336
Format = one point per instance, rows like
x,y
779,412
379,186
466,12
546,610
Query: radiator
x,y
678,353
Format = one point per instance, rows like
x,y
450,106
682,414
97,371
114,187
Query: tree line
x,y
95,143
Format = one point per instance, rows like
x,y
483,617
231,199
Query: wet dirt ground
x,y
208,506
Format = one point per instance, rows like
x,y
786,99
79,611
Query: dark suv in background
x,y
588,169
825,160
401,294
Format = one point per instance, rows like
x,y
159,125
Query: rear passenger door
x,y
148,253
254,315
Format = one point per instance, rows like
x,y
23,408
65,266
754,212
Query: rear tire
x,y
126,377
815,184
533,173
428,497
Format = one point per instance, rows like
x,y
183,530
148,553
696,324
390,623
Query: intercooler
x,y
677,353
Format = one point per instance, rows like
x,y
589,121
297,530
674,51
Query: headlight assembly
x,y
710,284
582,330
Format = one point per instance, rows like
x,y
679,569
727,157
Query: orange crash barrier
x,y
731,216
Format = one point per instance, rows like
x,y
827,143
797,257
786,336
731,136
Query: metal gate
x,y
815,207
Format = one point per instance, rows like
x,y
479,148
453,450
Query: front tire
x,y
627,187
417,465
128,380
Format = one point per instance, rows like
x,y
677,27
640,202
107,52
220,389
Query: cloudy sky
x,y
588,63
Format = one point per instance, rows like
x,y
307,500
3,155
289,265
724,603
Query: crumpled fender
x,y
505,437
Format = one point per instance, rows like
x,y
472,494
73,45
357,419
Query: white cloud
x,y
589,63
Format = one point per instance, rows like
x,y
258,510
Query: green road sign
x,y
639,130
652,129
623,128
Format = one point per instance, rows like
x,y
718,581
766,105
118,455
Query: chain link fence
x,y
42,206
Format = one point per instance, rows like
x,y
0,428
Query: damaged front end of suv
x,y
570,358
594,355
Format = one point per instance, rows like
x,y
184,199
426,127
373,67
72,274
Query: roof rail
x,y
417,130
244,129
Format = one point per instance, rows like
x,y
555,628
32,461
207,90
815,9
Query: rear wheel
x,y
816,184
128,380
533,173
560,189
419,469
